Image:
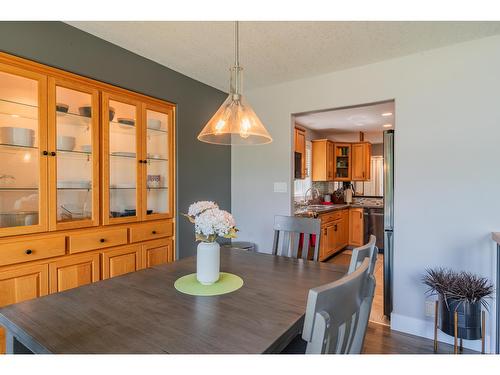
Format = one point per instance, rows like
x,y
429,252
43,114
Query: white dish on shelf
x,y
86,148
154,124
124,153
17,136
65,143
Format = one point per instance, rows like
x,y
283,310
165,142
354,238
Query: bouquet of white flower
x,y
211,222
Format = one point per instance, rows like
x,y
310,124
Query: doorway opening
x,y
343,161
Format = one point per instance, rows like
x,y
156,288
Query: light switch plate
x,y
280,187
429,308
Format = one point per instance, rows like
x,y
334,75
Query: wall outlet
x,y
429,308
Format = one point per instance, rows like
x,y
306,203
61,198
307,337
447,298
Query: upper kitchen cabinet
x,y
157,156
322,160
342,162
122,163
23,151
73,144
361,156
300,153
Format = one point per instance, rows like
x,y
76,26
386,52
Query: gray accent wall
x,y
203,170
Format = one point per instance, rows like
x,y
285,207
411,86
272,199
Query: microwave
x,y
298,165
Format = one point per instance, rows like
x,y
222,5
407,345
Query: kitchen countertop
x,y
330,208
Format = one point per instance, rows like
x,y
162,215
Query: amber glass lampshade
x,y
235,123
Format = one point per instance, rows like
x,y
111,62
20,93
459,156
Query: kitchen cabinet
x,y
356,227
121,261
157,252
72,272
300,147
322,160
342,162
361,158
21,284
334,233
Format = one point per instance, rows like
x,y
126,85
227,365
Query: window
x,y
301,186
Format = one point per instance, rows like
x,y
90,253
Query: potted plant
x,y
210,222
461,292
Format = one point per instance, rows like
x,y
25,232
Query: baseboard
x,y
424,328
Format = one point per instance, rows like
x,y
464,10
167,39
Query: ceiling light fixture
x,y
387,125
387,114
235,122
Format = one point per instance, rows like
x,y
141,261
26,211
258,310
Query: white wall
x,y
447,160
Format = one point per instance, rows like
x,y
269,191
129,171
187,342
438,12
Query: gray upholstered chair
x,y
337,313
287,230
360,253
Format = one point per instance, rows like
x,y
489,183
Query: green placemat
x,y
227,283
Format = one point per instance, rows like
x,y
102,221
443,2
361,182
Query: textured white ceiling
x,y
273,52
345,124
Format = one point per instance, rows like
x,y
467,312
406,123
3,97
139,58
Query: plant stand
x,y
456,347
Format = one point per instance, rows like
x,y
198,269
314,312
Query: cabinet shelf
x,y
73,119
157,188
75,188
18,188
20,147
74,153
18,109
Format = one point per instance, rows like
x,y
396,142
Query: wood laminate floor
x,y
377,313
381,340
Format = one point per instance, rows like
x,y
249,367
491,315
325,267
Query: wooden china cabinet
x,y
87,181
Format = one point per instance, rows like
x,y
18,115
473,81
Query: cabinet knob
x,y
45,153
53,153
28,252
154,232
102,240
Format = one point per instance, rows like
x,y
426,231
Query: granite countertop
x,y
330,208
496,237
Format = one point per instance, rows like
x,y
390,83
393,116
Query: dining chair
x,y
369,250
287,236
336,313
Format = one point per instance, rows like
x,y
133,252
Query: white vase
x,y
208,262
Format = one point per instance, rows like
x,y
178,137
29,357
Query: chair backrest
x,y
287,230
360,253
337,313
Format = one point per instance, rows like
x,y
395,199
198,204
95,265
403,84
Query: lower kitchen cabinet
x,y
20,284
356,227
74,271
121,261
157,252
334,233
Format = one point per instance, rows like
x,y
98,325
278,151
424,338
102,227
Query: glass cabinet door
x,y
121,168
157,161
342,162
73,155
23,160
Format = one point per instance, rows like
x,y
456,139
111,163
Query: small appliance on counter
x,y
348,193
327,198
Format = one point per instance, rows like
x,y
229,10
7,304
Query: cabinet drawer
x,y
120,261
150,231
25,251
335,215
78,243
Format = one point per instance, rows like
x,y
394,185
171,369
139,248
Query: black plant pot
x,y
469,318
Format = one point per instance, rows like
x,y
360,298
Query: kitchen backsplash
x,y
368,201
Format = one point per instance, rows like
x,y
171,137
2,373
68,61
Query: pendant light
x,y
235,122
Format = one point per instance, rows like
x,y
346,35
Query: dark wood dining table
x,y
142,312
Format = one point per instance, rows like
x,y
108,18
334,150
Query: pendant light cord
x,y
236,44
